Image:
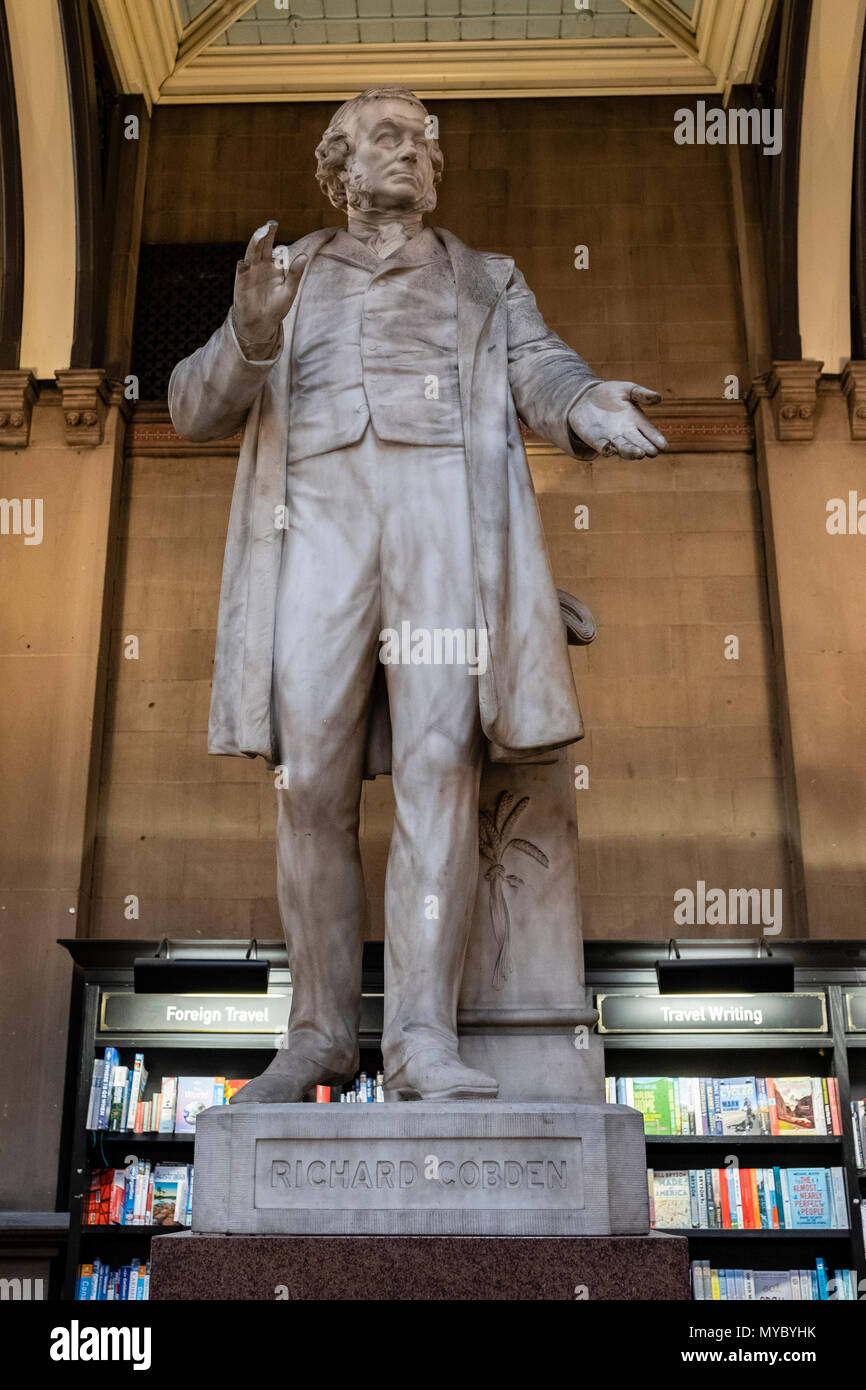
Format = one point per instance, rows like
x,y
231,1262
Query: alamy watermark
x,y
738,125
22,516
718,907
438,646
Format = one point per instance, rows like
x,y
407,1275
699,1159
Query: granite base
x,y
194,1267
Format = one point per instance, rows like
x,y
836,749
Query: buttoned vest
x,y
375,341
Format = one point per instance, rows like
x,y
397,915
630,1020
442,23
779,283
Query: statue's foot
x,y
286,1081
435,1074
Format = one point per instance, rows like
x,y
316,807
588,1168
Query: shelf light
x,y
162,974
757,974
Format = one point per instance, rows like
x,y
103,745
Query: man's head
x,y
378,152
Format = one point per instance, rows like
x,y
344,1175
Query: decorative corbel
x,y
793,391
18,391
853,384
85,394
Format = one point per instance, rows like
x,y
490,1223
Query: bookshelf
x,y
832,969
102,971
836,971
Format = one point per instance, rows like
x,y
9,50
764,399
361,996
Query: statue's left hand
x,y
608,418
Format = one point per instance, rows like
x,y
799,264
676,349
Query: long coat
x,y
510,365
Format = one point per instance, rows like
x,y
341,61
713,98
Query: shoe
x,y
439,1075
285,1081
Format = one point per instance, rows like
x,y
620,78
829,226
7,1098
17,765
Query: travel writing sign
x,y
124,1012
712,1013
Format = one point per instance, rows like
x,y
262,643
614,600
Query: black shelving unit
x,y
106,967
831,967
102,967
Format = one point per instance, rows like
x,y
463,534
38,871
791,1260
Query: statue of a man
x,y
383,513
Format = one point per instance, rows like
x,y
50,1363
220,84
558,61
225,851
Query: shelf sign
x,y
712,1013
855,1010
125,1012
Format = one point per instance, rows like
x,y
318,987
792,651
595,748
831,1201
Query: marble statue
x,y
387,603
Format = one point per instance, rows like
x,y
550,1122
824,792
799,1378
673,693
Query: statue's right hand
x,y
265,286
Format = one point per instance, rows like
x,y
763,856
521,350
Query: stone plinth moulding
x,y
18,391
853,384
85,395
792,388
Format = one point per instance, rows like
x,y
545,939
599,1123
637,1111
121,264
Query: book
x,y
95,1092
141,1180
653,1097
840,1204
171,1193
118,1087
109,1062
738,1103
194,1094
232,1086
671,1199
811,1198
165,1194
165,1120
136,1091
771,1286
795,1104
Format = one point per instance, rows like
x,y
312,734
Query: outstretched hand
x,y
608,418
265,286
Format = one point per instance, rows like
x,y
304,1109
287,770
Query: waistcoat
x,y
375,340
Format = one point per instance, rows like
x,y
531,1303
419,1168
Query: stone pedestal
x,y
471,1168
428,1268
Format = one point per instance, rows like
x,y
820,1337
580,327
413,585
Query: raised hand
x,y
265,287
609,420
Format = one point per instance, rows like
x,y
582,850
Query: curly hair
x,y
336,145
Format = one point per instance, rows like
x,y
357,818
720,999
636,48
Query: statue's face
x,y
390,164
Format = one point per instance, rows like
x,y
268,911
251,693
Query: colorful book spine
x,y
118,1091
109,1063
168,1104
835,1110
95,1092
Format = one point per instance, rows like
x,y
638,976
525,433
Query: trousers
x,y
378,537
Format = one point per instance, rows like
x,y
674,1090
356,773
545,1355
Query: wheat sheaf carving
x,y
494,844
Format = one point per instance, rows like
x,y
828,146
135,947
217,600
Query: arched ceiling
x,y
305,50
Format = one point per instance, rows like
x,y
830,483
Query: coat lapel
x,y
480,280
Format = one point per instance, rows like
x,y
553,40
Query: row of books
x,y
731,1104
748,1199
140,1195
362,1089
130,1283
118,1099
773,1285
858,1125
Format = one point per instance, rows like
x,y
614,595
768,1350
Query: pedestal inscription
x,y
472,1168
458,1174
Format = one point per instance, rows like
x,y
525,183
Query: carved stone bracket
x,y
792,388
85,395
18,391
854,389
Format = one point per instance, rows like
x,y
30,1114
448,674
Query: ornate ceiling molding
x,y
317,72
168,63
